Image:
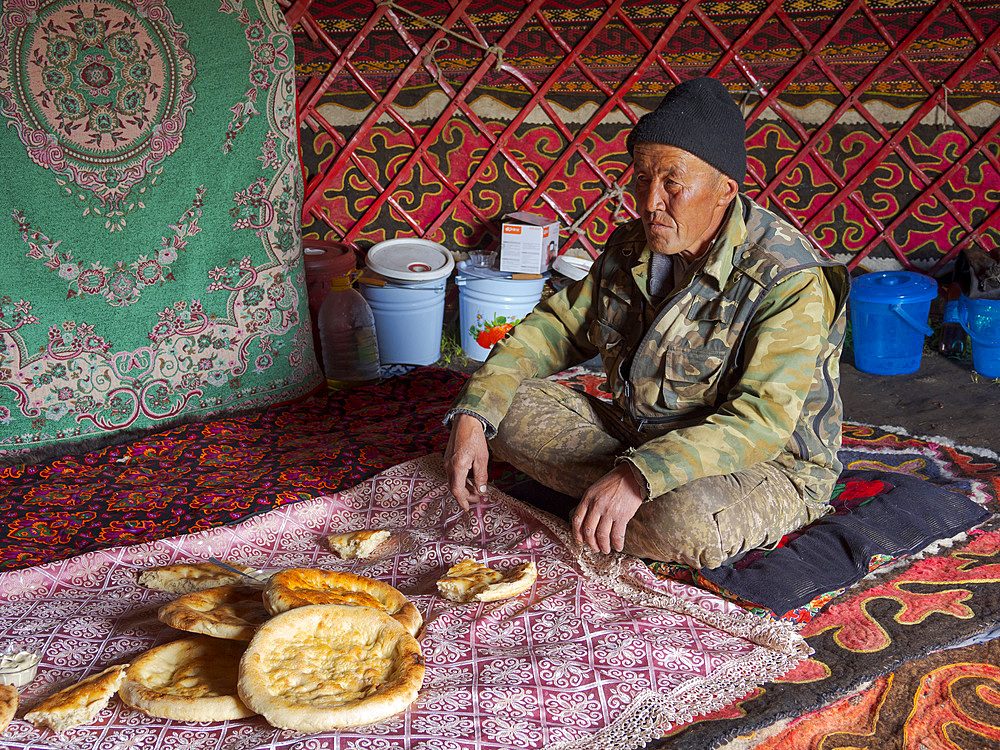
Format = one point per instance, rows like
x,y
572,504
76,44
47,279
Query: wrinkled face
x,y
680,199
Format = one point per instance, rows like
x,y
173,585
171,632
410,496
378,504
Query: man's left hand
x,y
607,506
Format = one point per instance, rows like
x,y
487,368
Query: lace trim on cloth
x,y
651,714
628,577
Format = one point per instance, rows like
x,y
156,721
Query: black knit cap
x,y
700,117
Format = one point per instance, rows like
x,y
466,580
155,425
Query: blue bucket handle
x,y
963,318
922,327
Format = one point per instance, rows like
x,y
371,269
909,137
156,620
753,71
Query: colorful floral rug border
x,y
945,598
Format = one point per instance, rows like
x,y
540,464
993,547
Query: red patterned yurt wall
x,y
872,125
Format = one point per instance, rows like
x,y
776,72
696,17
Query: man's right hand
x,y
466,459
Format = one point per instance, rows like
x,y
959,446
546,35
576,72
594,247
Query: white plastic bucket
x,y
408,320
488,307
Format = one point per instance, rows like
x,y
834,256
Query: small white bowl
x,y
18,668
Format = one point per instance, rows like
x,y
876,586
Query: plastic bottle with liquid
x,y
954,339
348,345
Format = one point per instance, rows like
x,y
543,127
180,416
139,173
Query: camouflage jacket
x,y
740,364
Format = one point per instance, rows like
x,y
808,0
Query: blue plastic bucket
x,y
408,320
981,319
489,303
889,312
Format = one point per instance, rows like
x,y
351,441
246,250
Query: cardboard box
x,y
528,243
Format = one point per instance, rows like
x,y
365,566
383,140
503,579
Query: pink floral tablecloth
x,y
598,654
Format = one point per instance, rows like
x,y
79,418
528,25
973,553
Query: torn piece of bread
x,y
470,581
8,705
79,703
185,578
354,544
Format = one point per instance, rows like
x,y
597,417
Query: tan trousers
x,y
566,440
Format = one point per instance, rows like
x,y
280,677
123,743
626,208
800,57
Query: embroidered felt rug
x,y
577,54
942,599
199,476
941,700
151,199
599,653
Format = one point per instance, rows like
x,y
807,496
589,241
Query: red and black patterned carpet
x,y
203,475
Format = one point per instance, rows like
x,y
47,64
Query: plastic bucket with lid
x,y
981,319
406,293
408,319
889,312
490,303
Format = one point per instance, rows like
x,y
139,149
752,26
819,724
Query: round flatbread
x,y
193,679
298,587
330,666
185,578
233,612
470,581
